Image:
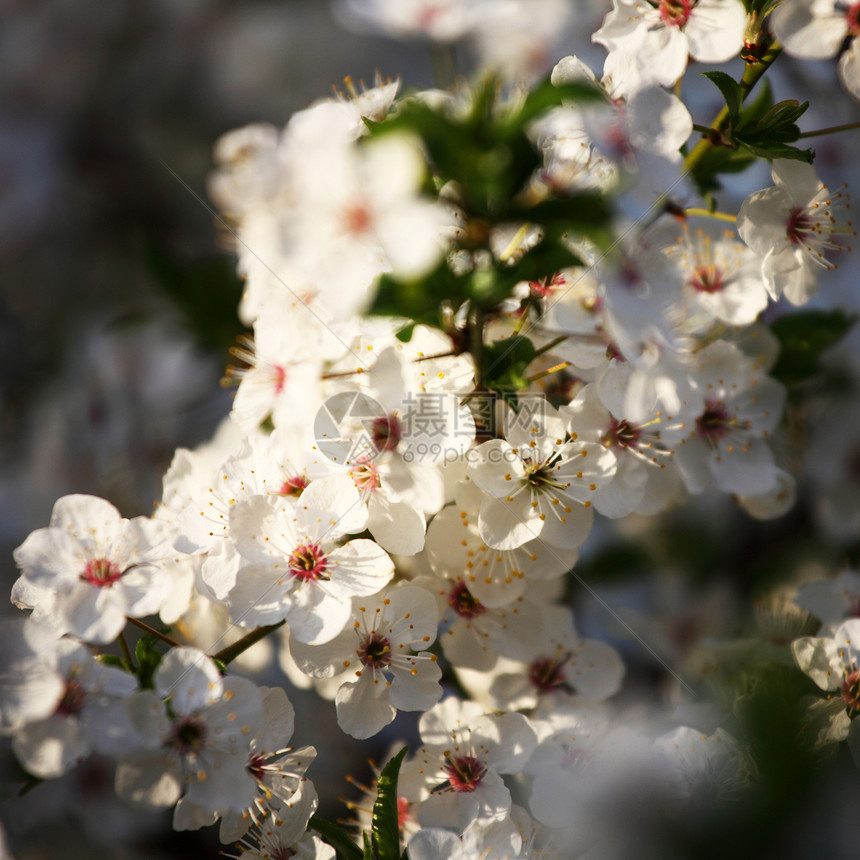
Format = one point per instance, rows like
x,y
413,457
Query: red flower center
x,y
309,562
460,599
622,434
357,220
675,13
294,486
375,651
715,422
798,226
547,673
707,278
852,16
101,573
73,699
464,773
851,690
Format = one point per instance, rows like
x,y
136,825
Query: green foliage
x,y
760,129
115,661
505,363
148,656
803,337
337,837
731,91
206,291
383,842
483,155
385,835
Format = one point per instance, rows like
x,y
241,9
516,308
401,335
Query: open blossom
x,y
31,686
565,664
482,840
384,673
539,482
655,39
797,225
833,663
720,435
494,577
194,731
646,479
292,566
278,771
90,568
456,775
701,768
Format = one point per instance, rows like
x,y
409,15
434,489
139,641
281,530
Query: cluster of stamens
x,y
464,773
461,600
675,13
101,572
309,562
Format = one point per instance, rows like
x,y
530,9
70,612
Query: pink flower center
x,y
799,225
464,773
357,220
851,690
622,434
460,599
375,651
852,16
73,699
385,433
547,673
280,378
101,573
427,15
675,13
256,766
707,278
294,486
365,476
309,562
547,287
715,422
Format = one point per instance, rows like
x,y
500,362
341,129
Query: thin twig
x,y
144,626
231,652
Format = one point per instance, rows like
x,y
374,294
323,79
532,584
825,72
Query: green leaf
x,y
720,159
761,104
206,290
112,660
337,837
148,657
768,134
781,150
420,299
385,833
803,337
731,91
579,213
545,95
505,363
369,853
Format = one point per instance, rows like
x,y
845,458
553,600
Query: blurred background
x,y
117,309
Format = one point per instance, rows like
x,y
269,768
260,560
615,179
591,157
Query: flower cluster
x,y
485,322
